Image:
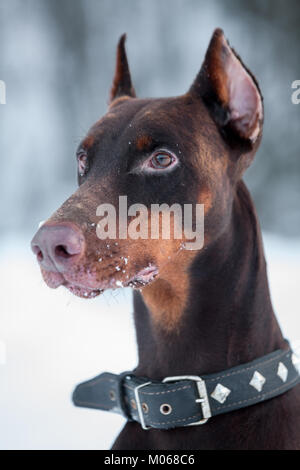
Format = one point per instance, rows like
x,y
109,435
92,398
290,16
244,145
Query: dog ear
x,y
122,84
229,90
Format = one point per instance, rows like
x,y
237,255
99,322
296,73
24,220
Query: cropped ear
x,y
122,81
229,90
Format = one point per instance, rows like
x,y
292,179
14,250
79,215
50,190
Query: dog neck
x,y
228,317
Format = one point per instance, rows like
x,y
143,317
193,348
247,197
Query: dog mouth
x,y
85,290
144,277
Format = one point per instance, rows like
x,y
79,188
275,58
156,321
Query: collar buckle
x,y
203,396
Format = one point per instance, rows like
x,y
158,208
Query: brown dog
x,y
196,311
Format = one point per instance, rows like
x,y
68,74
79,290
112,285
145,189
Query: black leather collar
x,y
190,400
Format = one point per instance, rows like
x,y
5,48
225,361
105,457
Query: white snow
x,y
53,341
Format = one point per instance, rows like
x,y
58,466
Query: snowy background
x,y
55,340
57,60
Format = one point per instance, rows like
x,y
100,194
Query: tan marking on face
x,y
167,297
206,197
143,142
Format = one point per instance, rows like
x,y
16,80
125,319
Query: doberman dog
x,y
196,311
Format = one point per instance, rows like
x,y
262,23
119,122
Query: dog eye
x,y
82,162
160,160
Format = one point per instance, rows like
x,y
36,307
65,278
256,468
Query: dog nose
x,y
58,246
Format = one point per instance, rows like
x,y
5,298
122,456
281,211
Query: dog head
x,y
186,150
